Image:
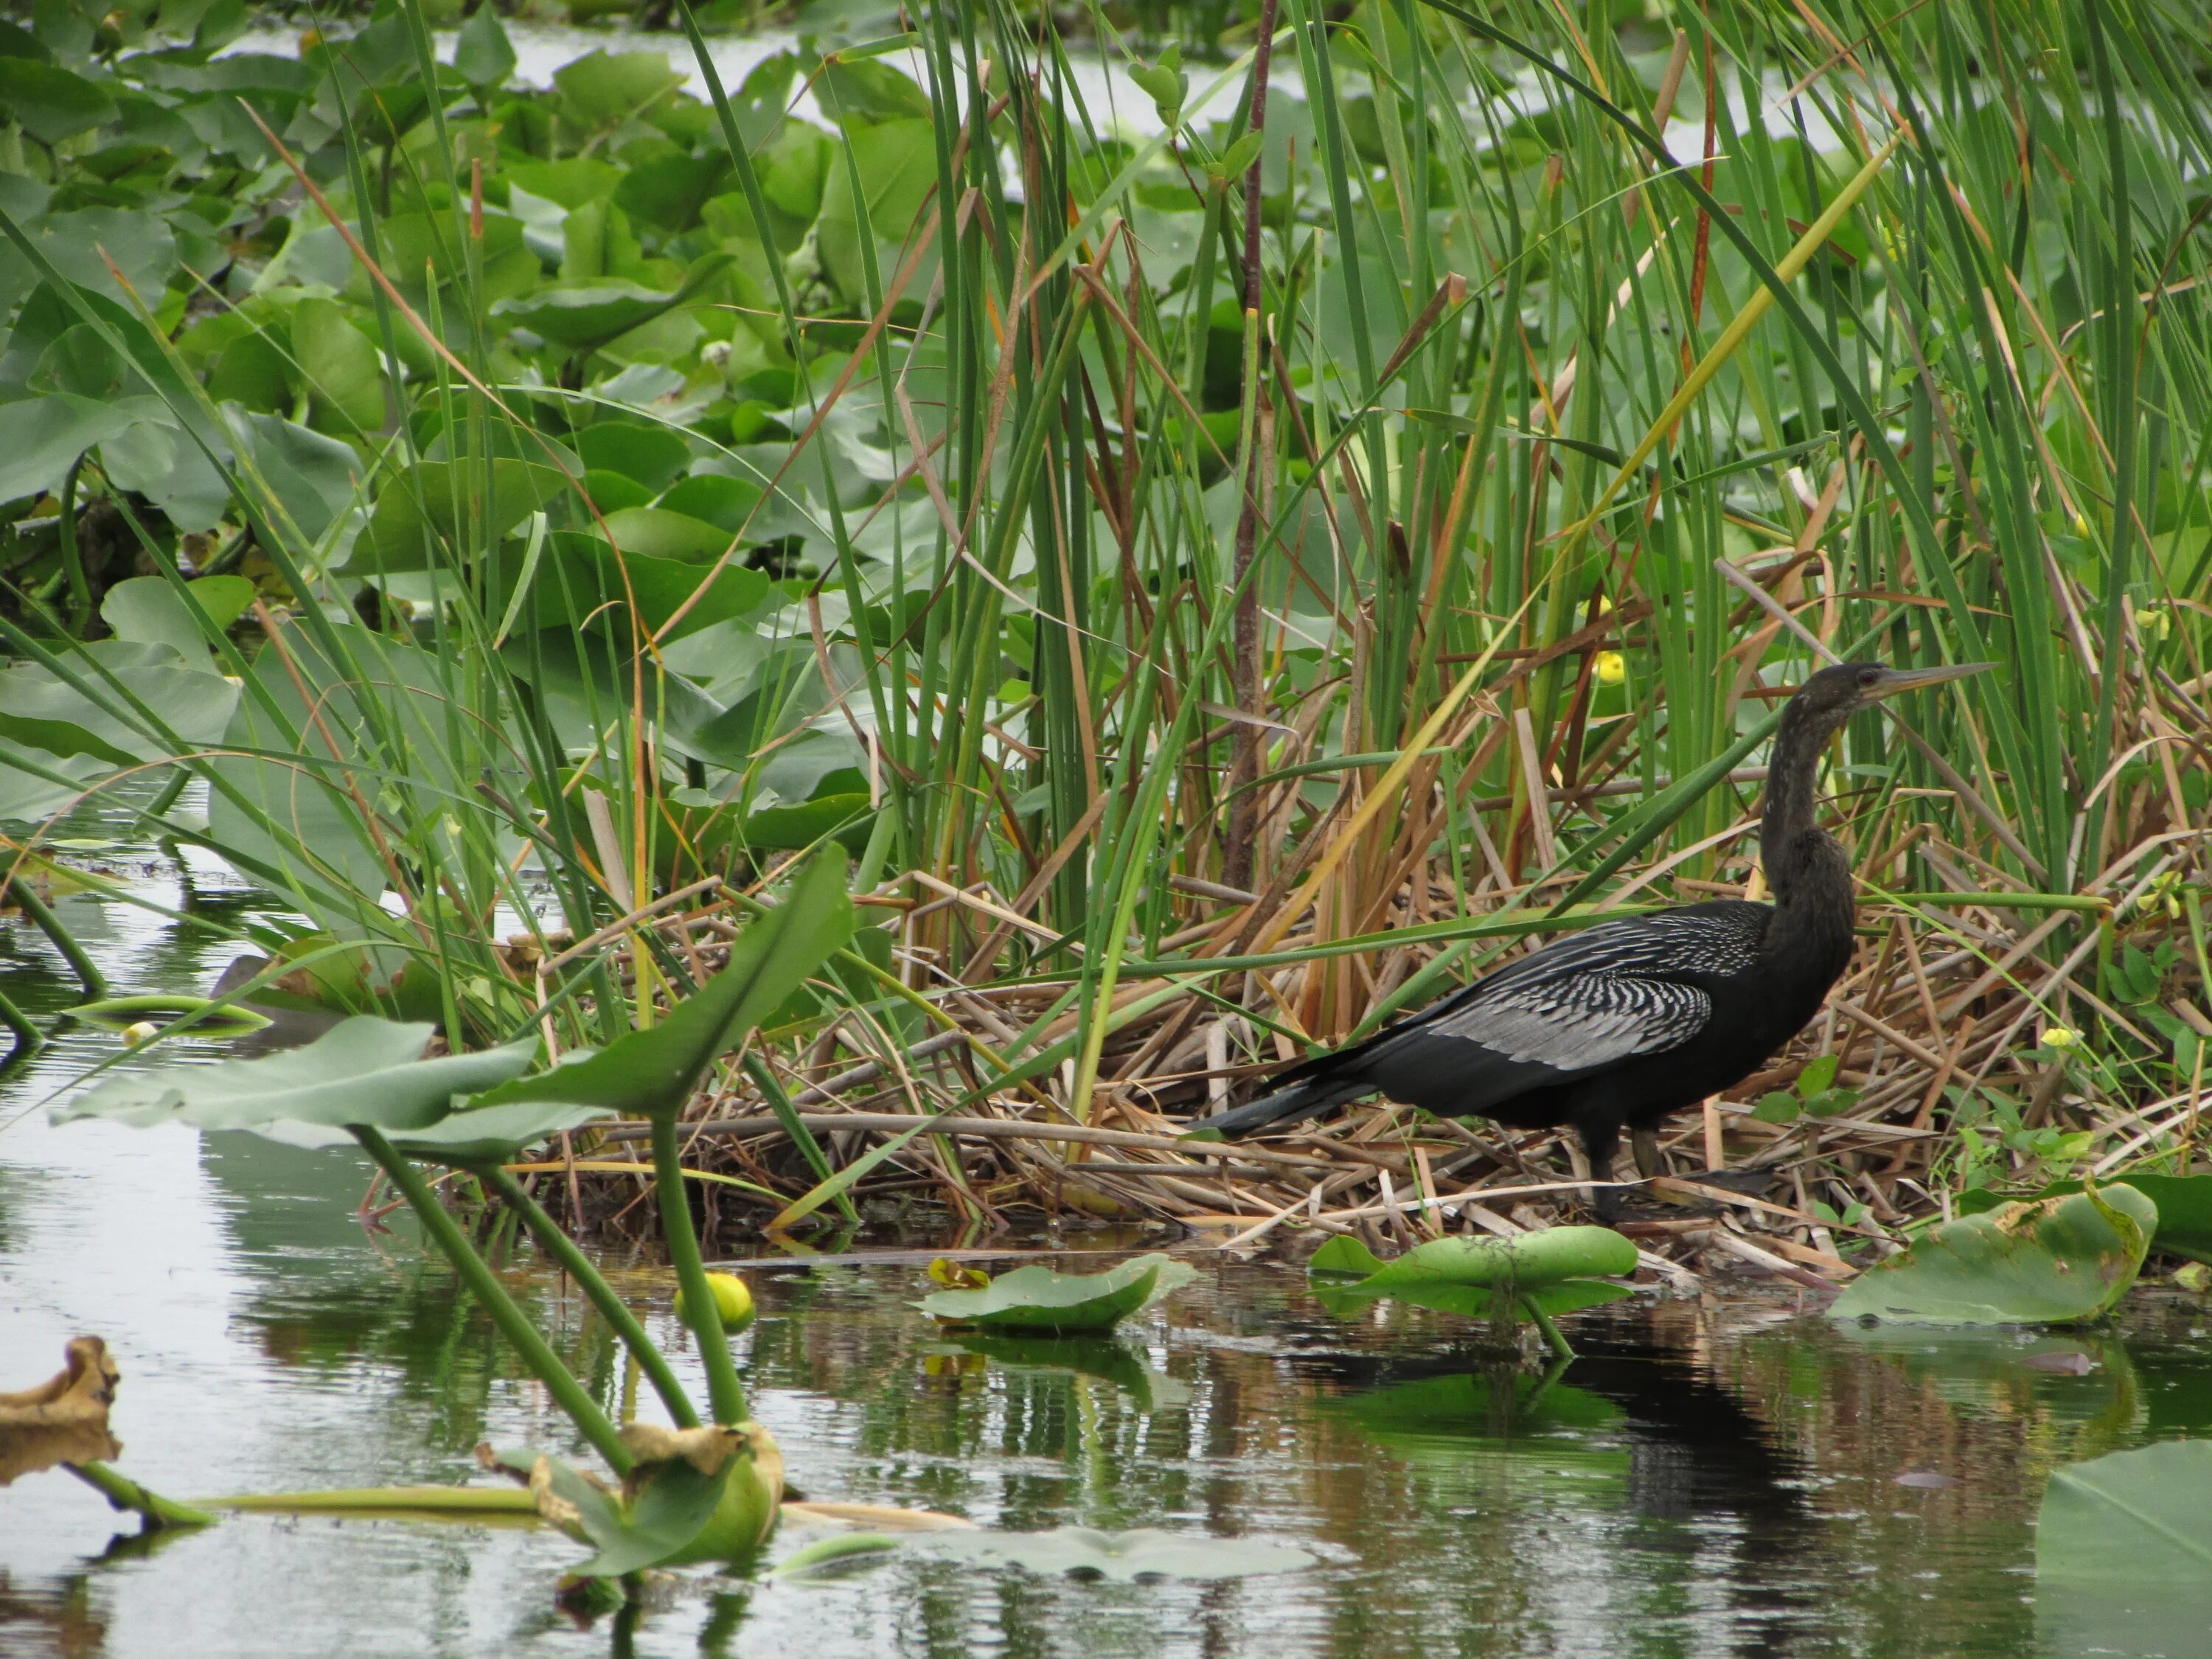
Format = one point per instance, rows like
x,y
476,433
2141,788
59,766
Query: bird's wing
x,y
1580,1021
1590,1001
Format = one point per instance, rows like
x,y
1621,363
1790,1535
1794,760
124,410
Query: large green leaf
x,y
340,365
602,89
2185,1207
652,1072
147,610
35,784
2130,1518
482,53
594,309
2053,1262
441,513
80,245
51,103
40,438
362,1071
315,478
39,708
1037,1298
897,165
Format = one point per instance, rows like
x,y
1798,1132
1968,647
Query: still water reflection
x,y
1710,1478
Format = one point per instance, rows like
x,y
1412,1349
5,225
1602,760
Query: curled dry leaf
x,y
706,1448
64,1418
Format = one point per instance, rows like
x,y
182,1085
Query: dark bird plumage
x,y
1618,1025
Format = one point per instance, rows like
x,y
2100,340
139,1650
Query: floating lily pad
x,y
2132,1516
120,1013
2053,1262
1527,1261
1037,1298
2124,1550
2185,1207
1124,1557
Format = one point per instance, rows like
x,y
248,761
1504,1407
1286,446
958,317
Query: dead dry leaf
x,y
63,1419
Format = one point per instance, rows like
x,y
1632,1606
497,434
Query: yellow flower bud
x,y
2061,1037
1611,668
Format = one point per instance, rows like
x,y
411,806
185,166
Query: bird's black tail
x,y
1308,1097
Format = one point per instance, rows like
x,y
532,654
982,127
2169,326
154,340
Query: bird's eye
x,y
1869,676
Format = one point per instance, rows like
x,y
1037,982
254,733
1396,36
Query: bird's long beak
x,y
1894,680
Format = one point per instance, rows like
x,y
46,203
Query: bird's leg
x,y
1602,1140
1645,1143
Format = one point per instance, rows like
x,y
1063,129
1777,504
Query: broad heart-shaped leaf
x,y
596,309
51,103
39,708
40,438
2185,1207
1144,1552
2052,1262
469,1136
2130,1518
1037,1298
35,784
652,1073
439,513
147,610
897,171
363,1070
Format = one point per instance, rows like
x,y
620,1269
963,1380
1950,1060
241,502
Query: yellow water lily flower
x,y
1611,668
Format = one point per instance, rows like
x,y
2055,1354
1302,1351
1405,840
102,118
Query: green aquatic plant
x,y
1041,1298
2184,1206
2056,1261
367,1079
1555,1270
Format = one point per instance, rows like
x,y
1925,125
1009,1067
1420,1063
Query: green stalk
x,y
726,1394
482,1283
123,1492
1558,1344
28,1039
558,1244
42,913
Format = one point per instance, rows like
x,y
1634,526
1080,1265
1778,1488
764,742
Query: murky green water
x,y
1714,1478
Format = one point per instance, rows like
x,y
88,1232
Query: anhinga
x,y
1625,1021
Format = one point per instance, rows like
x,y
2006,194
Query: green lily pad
x,y
120,1013
2185,1207
2052,1262
2129,1517
1037,1298
363,1070
1527,1261
1122,1556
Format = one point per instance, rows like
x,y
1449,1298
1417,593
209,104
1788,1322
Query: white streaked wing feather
x,y
1583,1021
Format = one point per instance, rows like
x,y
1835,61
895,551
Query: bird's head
x,y
1832,697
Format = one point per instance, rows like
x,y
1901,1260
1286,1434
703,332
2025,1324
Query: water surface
x,y
1717,1476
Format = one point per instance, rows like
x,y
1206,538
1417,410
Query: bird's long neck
x,y
1806,868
